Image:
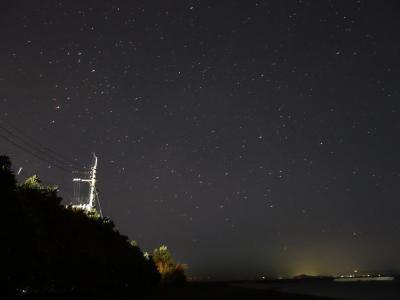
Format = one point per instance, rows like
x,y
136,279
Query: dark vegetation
x,y
49,248
171,273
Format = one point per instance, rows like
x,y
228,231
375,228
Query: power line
x,y
32,143
29,145
40,157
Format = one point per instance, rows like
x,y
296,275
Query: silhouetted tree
x,y
47,247
7,179
171,273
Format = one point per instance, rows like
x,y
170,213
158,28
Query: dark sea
x,y
389,290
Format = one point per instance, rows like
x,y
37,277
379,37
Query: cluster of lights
x,y
364,277
357,275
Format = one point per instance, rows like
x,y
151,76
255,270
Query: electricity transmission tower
x,y
24,142
88,204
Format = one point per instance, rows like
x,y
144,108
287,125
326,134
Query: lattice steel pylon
x,y
89,204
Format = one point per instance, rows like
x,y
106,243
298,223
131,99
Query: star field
x,y
252,137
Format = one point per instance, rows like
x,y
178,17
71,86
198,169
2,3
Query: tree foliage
x,y
47,247
171,272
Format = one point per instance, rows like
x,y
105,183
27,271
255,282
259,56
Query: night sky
x,y
252,137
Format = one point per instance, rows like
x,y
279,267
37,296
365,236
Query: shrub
x,y
171,273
